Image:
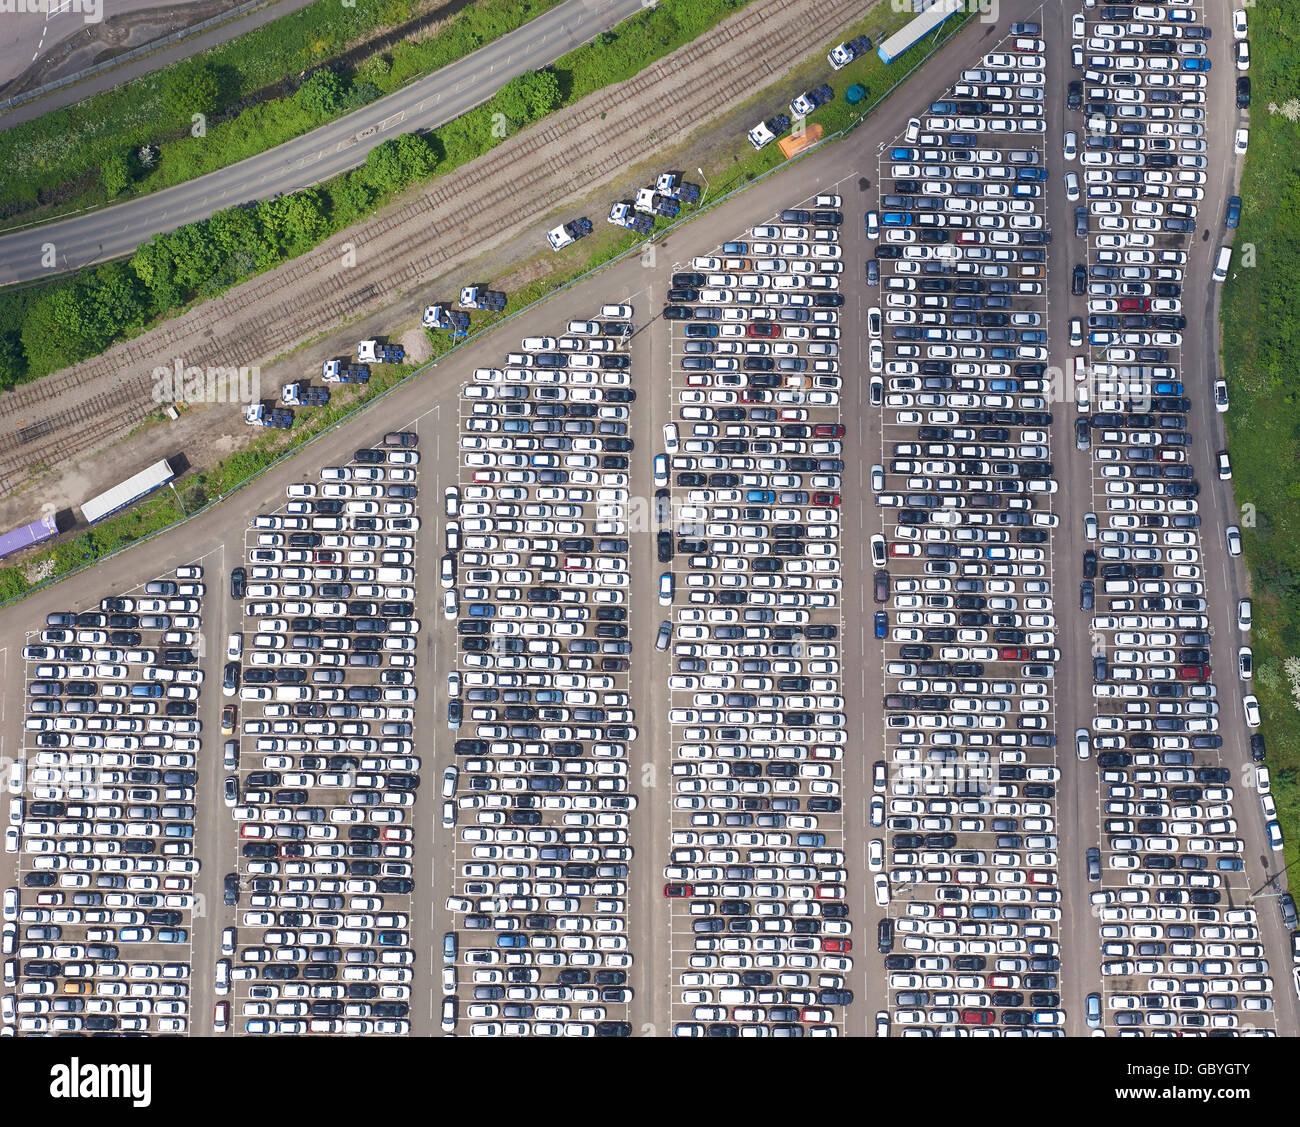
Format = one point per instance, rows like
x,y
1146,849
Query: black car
x,y
1078,280
1243,93
238,582
231,888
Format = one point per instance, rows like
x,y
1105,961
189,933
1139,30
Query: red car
x,y
761,329
828,430
1193,672
830,499
1134,304
837,946
677,891
1013,653
977,1017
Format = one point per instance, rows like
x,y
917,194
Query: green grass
x,y
57,163
1261,356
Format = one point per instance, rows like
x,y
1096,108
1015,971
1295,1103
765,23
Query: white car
x,y
1239,24
1077,26
447,572
670,437
1250,708
451,500
873,225
1225,466
1244,615
449,604
1082,743
1071,147
1072,194
661,470
1245,663
1241,141
880,885
1232,536
1220,396
234,647
1243,55
1090,526
666,589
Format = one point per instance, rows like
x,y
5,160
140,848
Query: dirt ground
x,y
469,225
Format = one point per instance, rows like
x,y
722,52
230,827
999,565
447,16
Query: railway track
x,y
411,245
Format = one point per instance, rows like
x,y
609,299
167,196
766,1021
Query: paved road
x,y
147,64
32,34
316,156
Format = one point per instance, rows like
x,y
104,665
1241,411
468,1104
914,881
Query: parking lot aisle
x,y
433,844
651,767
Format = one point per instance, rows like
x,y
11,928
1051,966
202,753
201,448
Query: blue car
x,y
735,248
896,219
512,940
1033,336
1004,385
760,496
1234,212
882,623
1196,64
1165,387
902,154
1033,175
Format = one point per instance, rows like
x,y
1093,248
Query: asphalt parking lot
x,y
740,761
98,933
535,575
319,746
747,491
964,800
1180,942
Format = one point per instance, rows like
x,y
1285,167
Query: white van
x,y
1221,264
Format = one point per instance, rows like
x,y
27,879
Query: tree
x,y
82,317
395,163
323,94
190,88
13,364
115,173
350,197
526,97
292,223
541,91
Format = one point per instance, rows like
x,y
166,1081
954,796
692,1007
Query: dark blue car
x,y
1234,211
882,623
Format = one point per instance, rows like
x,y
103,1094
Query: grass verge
x,y
1261,354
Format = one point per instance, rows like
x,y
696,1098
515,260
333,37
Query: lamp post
x,y
706,185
